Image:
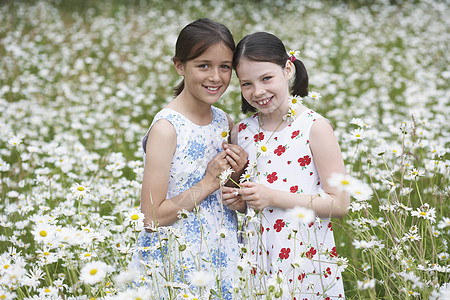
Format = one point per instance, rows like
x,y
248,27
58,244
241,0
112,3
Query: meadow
x,y
81,81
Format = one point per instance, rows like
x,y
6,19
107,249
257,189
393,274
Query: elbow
x,y
343,208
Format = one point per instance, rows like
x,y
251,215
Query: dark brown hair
x,y
196,38
266,47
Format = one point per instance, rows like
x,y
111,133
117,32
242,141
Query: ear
x,y
179,67
289,69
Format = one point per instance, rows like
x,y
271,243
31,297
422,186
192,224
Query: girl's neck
x,y
274,120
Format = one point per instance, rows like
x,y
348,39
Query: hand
x,y
236,157
216,166
232,200
257,196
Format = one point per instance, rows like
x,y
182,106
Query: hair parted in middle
x,y
196,37
266,47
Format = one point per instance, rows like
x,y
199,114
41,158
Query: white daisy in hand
x,y
225,175
223,135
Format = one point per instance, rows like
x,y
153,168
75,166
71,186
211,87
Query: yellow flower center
x,y
46,253
263,148
224,134
93,272
422,213
43,233
6,266
345,182
87,255
134,217
47,290
80,188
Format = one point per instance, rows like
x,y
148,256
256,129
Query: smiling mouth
x,y
264,101
211,88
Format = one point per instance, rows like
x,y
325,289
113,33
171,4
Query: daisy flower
x,y
79,190
294,53
44,233
314,95
15,140
223,135
290,116
246,176
182,214
262,150
135,218
444,223
425,212
366,284
294,101
301,214
94,272
225,175
200,278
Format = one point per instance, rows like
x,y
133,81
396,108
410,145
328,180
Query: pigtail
x,y
300,84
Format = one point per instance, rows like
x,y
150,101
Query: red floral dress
x,y
303,255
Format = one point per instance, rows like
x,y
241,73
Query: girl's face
x,y
265,85
207,76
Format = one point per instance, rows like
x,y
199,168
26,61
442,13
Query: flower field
x,y
80,83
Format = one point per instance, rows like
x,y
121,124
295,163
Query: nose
x,y
259,91
214,75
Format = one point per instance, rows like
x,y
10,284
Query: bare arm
x,y
160,148
328,160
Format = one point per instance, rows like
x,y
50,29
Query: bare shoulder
x,y
321,128
162,135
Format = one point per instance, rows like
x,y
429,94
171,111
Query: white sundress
x,y
278,240
207,239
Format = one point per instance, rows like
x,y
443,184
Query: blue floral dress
x,y
202,240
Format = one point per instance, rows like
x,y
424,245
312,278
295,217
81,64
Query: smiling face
x,y
265,85
207,76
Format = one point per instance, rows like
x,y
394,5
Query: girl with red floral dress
x,y
292,153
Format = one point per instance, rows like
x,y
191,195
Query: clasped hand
x,y
257,196
233,156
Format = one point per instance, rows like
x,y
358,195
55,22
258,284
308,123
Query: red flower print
x,y
301,277
280,150
311,252
304,161
295,134
272,177
284,253
261,229
253,271
242,126
294,189
279,224
258,137
330,226
327,272
333,252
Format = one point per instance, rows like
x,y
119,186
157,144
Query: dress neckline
x,y
281,130
190,121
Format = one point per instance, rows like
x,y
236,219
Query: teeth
x,y
264,102
212,88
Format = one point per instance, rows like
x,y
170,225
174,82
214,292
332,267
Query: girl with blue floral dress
x,y
189,246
